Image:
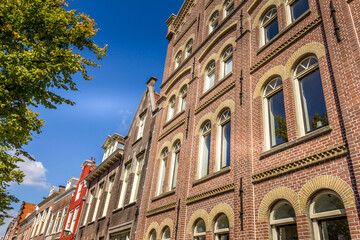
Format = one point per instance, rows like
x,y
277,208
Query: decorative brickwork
x,y
199,214
219,209
181,122
152,226
161,209
301,163
166,223
272,197
211,193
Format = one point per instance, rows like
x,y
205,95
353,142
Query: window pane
x,y
315,114
206,155
328,202
284,211
277,119
200,227
271,30
288,232
335,229
225,145
228,66
211,80
176,164
222,222
298,8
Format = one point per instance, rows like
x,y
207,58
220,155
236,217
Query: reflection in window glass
x,y
225,139
270,24
283,222
298,7
206,136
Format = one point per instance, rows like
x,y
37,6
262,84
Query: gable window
x,y
200,230
210,75
227,61
328,216
175,164
163,162
205,150
178,59
182,102
298,8
283,221
270,25
166,234
275,113
311,93
171,108
188,48
141,126
228,7
125,183
225,129
108,195
137,177
221,228
214,21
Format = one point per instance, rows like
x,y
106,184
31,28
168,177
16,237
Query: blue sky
x,y
135,34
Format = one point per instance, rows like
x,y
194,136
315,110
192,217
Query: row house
x,y
115,186
256,135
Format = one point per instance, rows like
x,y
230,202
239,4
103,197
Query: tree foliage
x,y
42,46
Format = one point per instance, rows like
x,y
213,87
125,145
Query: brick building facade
x,y
266,145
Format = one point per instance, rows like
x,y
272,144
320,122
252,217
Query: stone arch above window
x,y
199,214
326,182
165,145
274,196
267,6
152,226
275,71
207,117
219,209
230,104
177,137
213,57
166,223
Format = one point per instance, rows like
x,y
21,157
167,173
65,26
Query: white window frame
x,y
275,223
210,73
73,221
163,234
141,125
126,176
226,57
289,12
97,200
264,24
110,185
221,231
228,7
178,59
162,171
223,120
118,236
137,178
63,218
205,132
151,235
182,102
89,201
174,165
196,235
171,108
214,21
79,190
188,48
51,224
68,221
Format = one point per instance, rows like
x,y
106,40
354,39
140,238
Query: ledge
x,y
216,96
310,160
161,209
138,140
211,176
307,137
285,30
102,218
90,223
117,210
216,85
181,122
173,119
163,195
130,205
210,193
286,44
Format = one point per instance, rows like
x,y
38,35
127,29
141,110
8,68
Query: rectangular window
x,y
141,126
108,195
121,236
68,222
73,222
78,191
206,155
58,217
298,7
225,145
175,169
97,201
124,185
51,224
162,172
137,176
89,202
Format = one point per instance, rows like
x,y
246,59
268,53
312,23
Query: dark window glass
x,y
225,145
271,30
277,119
287,232
335,229
298,8
314,108
207,153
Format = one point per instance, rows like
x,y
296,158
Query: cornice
x,y
310,160
182,13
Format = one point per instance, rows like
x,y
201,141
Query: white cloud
x,y
35,173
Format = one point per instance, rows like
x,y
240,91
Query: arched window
x,y
166,235
188,48
275,113
205,150
171,108
221,228
182,102
297,8
214,21
175,163
200,230
227,60
152,235
225,129
283,221
210,75
327,213
163,161
178,59
311,94
228,7
270,25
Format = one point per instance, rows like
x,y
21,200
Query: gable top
x,y
182,13
114,137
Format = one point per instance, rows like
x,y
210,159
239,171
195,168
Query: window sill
x,y
102,218
130,205
82,227
173,119
90,223
312,135
138,140
216,85
163,195
117,210
212,176
285,30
